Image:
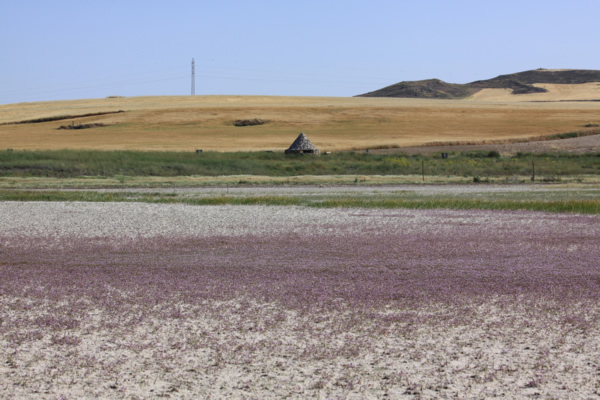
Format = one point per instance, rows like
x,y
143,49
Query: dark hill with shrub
x,y
520,83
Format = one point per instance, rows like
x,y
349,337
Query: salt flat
x,y
133,300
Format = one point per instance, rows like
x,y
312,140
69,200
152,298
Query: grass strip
x,y
56,195
125,165
578,206
562,206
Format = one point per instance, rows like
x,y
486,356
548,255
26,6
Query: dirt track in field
x,y
580,145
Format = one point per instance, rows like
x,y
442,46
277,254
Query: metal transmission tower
x,y
193,78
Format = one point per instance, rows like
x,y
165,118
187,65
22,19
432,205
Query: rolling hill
x,y
520,83
188,123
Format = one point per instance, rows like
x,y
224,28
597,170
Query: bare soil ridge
x,y
576,145
519,83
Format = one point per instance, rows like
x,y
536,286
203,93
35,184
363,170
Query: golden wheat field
x,y
555,92
186,123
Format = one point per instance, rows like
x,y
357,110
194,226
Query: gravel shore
x,y
137,220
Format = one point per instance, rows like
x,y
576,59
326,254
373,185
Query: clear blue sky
x,y
73,49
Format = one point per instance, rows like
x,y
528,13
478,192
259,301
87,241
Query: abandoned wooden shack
x,y
302,145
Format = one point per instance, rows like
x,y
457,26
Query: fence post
x,y
532,171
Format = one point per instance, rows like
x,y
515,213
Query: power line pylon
x,y
193,78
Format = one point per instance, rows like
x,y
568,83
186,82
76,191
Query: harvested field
x,y
141,301
206,122
555,92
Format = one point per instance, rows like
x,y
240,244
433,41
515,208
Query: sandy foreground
x,y
136,301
